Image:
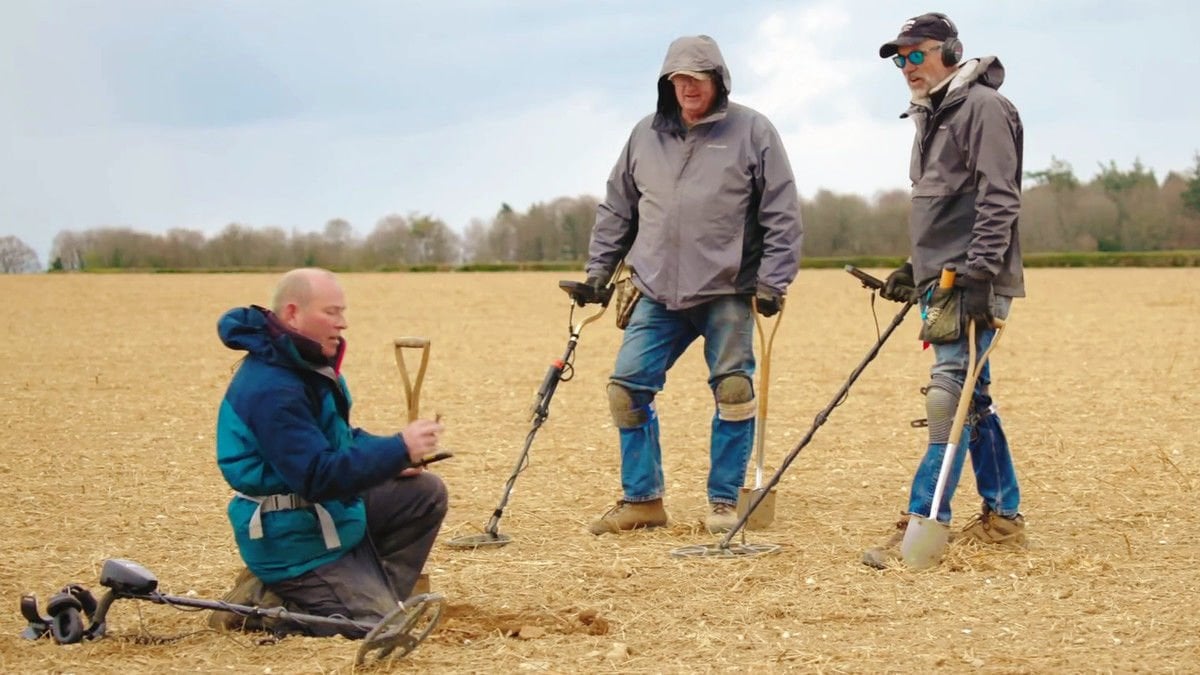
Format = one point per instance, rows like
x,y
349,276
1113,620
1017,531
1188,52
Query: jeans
x,y
983,436
655,338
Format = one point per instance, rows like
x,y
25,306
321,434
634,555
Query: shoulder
x,y
259,382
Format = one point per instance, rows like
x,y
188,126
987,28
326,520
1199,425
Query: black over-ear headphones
x,y
952,47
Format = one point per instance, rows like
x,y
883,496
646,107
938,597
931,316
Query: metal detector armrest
x,y
868,281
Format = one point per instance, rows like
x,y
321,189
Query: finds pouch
x,y
942,323
626,296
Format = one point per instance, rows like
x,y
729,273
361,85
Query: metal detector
x,y
724,548
392,637
561,370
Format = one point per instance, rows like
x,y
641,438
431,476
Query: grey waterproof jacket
x,y
702,212
966,177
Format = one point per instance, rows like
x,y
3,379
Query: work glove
x,y
977,301
590,293
899,286
768,302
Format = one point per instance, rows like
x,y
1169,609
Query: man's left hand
x,y
768,301
977,301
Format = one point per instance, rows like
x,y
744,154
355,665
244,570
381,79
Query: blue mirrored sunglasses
x,y
916,57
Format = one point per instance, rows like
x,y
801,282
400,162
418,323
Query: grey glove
x,y
768,301
900,286
591,291
977,301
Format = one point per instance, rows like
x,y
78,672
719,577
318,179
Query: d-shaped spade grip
x,y
412,389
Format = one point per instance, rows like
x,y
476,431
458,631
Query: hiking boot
x,y
989,527
888,554
630,515
721,518
422,586
247,590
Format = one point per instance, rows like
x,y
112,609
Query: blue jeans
x,y
655,338
984,440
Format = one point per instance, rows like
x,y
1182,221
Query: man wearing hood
x,y
331,519
703,209
966,196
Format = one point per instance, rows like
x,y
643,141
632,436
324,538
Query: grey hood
x,y
693,52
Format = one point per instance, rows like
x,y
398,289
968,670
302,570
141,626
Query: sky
x,y
160,114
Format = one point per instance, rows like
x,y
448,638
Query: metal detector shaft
x,y
820,419
541,410
218,605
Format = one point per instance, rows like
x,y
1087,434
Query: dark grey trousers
x,y
403,519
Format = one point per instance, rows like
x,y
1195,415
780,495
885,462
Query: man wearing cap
x,y
703,208
966,196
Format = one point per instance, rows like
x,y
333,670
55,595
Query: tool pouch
x,y
626,295
942,322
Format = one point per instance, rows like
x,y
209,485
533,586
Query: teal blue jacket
x,y
284,428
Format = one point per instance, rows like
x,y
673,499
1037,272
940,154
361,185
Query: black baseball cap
x,y
931,26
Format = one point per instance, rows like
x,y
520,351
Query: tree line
x,y
1116,210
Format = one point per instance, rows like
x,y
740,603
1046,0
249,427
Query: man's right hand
x,y
589,293
421,438
900,286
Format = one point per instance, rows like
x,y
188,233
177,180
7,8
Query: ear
x,y
288,314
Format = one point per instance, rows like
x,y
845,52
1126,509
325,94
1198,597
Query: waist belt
x,y
288,502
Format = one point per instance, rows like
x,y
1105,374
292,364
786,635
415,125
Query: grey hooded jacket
x,y
966,177
703,212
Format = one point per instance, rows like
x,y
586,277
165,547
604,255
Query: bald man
x,y
328,517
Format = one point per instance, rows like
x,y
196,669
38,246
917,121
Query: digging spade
x,y
764,514
925,538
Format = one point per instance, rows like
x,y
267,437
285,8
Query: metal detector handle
x,y
868,281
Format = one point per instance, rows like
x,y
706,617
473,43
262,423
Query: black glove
x,y
977,301
768,301
900,286
591,292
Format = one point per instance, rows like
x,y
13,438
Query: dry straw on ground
x,y
110,386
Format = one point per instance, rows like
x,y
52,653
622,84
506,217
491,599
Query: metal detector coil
x,y
724,551
402,630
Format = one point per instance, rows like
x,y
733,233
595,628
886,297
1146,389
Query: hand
x,y
977,301
591,292
768,301
900,286
421,439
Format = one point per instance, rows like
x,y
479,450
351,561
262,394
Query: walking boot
x,y
887,554
247,590
721,518
630,515
989,527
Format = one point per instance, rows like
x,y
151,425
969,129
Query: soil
x,y
109,395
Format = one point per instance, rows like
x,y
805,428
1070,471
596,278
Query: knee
x,y
735,398
433,488
630,409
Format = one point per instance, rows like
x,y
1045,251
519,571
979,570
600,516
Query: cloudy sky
x,y
153,114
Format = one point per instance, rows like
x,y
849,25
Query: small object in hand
x,y
435,457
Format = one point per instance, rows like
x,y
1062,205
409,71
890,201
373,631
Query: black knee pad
x,y
941,399
735,398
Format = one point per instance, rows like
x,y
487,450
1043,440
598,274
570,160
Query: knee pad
x,y
735,398
941,398
627,411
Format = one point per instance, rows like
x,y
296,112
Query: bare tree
x,y
16,257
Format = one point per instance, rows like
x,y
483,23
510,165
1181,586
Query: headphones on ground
x,y
952,47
